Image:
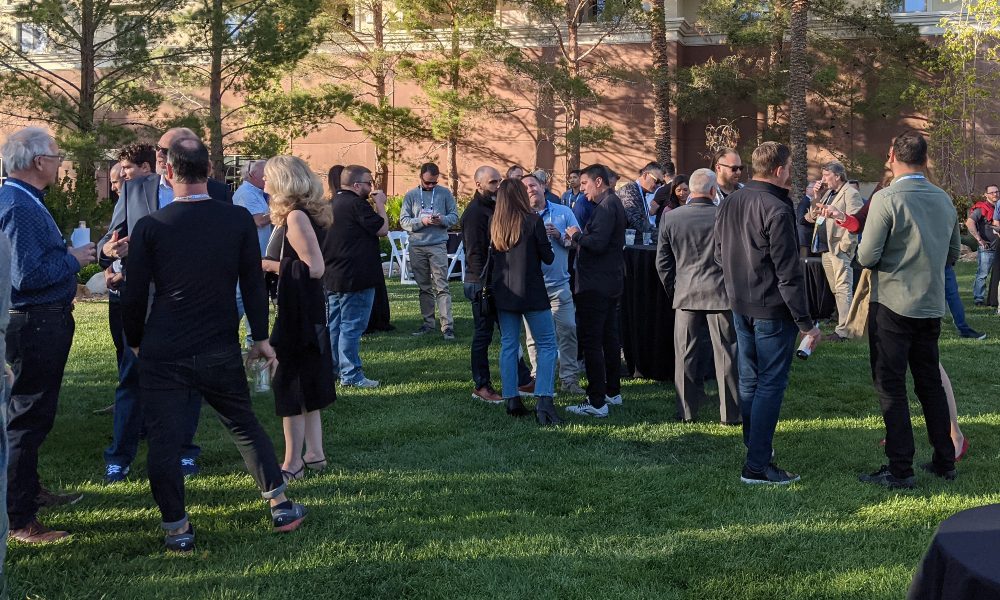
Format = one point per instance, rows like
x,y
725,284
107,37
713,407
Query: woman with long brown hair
x,y
304,382
520,246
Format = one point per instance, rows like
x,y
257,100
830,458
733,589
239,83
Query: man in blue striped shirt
x,y
43,285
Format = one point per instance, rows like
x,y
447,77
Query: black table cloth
x,y
379,318
822,303
963,562
647,323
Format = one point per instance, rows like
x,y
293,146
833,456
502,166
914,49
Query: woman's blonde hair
x,y
512,208
293,186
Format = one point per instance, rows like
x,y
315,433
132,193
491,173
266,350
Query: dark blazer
x,y
140,197
350,245
685,257
600,259
517,281
475,224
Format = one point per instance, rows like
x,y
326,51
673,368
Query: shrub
x,y
87,272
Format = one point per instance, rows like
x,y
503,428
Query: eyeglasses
x,y
369,182
733,168
660,182
61,157
431,182
493,181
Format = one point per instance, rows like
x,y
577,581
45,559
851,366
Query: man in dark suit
x,y
140,197
600,277
685,261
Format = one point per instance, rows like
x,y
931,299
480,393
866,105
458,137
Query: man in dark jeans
x,y
600,277
756,244
189,344
475,224
910,235
43,276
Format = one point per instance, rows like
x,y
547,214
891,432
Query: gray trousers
x,y
691,328
564,316
430,270
840,275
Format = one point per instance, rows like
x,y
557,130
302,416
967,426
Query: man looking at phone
x,y
428,211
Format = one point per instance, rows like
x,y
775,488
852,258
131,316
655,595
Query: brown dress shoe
x,y
48,499
36,533
487,394
528,388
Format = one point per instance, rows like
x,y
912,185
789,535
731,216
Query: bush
x,y
87,272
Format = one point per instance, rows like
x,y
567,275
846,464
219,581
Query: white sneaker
x,y
364,383
616,399
586,410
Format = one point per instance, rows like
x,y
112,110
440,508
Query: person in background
x,y
115,179
542,177
980,226
520,247
637,197
250,195
804,227
187,339
514,172
728,167
40,332
333,179
427,212
573,195
304,381
670,196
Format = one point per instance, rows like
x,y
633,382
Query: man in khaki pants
x,y
837,244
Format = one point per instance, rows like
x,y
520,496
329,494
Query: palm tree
x,y
798,79
661,82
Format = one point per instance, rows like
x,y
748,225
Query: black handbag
x,y
484,297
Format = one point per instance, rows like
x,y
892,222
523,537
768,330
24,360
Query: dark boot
x,y
516,408
545,412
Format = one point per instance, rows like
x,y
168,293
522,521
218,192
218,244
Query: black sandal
x,y
316,465
292,476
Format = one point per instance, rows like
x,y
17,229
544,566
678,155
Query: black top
x,y
193,253
475,225
984,225
756,244
600,265
518,285
350,246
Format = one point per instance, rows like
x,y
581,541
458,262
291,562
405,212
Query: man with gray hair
x,y
685,261
837,245
544,179
43,286
250,195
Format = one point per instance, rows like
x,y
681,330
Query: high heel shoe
x,y
964,451
316,465
516,408
545,412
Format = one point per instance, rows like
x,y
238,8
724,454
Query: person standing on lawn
x,y
980,225
187,341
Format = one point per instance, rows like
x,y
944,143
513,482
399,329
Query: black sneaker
x,y
424,330
885,478
972,334
933,470
181,542
772,475
288,519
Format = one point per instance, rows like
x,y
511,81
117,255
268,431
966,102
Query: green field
x,y
430,494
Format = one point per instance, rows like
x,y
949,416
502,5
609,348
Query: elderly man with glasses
x,y
728,169
38,338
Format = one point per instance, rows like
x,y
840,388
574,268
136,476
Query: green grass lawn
x,y
433,495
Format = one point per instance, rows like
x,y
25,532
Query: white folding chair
x,y
400,241
457,258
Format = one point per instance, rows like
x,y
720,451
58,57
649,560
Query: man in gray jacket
x,y
686,263
427,212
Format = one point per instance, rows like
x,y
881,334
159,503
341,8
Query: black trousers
x,y
896,342
597,322
38,343
168,386
116,326
482,337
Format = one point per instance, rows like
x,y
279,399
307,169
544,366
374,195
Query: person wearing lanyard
x,y
636,197
40,333
571,196
910,235
427,212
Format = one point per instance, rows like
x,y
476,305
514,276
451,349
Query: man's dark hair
x,y
720,153
189,159
353,174
596,171
989,185
669,170
333,178
139,154
511,169
651,166
429,168
769,156
575,172
910,148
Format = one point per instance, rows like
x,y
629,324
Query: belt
x,y
53,307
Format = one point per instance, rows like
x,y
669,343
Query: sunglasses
x,y
431,182
493,181
733,168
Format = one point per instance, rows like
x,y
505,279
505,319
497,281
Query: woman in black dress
x,y
303,383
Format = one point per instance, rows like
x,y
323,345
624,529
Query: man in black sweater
x,y
475,225
756,245
600,277
353,269
188,342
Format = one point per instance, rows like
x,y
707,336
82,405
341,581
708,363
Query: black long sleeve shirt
x,y
192,253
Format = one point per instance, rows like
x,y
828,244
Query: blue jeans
x,y
3,486
128,417
242,313
347,319
543,331
765,355
984,262
954,300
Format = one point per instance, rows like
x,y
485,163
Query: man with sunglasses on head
x,y
637,196
427,212
728,169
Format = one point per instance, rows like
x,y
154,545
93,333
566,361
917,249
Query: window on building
x,y
909,6
31,39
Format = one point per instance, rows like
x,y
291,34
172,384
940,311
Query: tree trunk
x,y
661,83
575,111
798,77
455,77
381,99
218,38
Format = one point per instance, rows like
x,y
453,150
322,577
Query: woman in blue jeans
x,y
519,248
